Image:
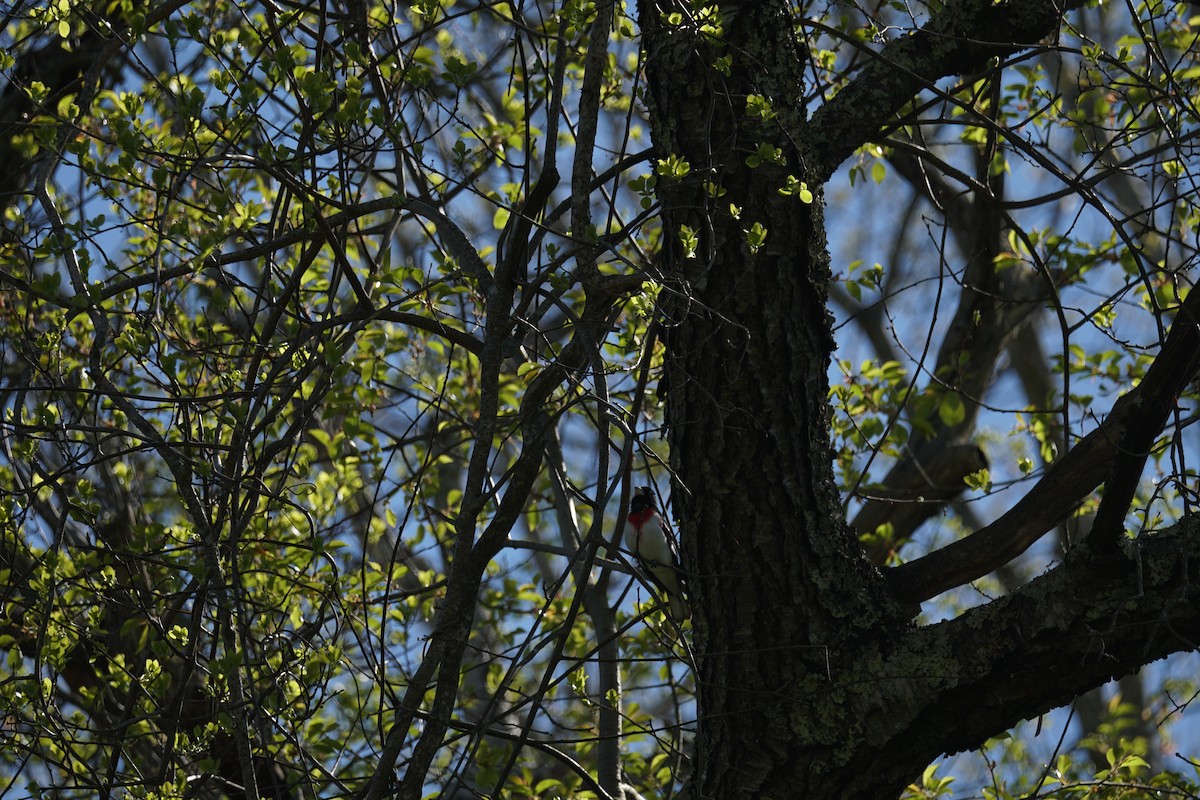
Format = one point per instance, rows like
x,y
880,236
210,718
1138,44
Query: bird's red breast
x,y
638,518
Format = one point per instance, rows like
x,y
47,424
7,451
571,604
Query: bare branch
x,y
960,39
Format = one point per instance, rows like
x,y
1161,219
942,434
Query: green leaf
x,y
759,106
980,481
951,410
756,236
673,167
500,218
689,240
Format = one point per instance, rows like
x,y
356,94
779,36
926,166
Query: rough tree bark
x,y
813,681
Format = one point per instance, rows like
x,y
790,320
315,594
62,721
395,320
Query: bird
x,y
650,540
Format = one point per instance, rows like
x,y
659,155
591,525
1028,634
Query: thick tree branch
x,y
960,39
1099,616
1166,379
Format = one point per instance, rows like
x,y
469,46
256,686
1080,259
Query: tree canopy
x,y
335,336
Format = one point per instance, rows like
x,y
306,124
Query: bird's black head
x,y
643,498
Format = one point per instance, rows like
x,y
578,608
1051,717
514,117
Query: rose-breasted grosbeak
x,y
651,542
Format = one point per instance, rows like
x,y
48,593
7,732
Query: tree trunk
x,y
779,580
812,679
